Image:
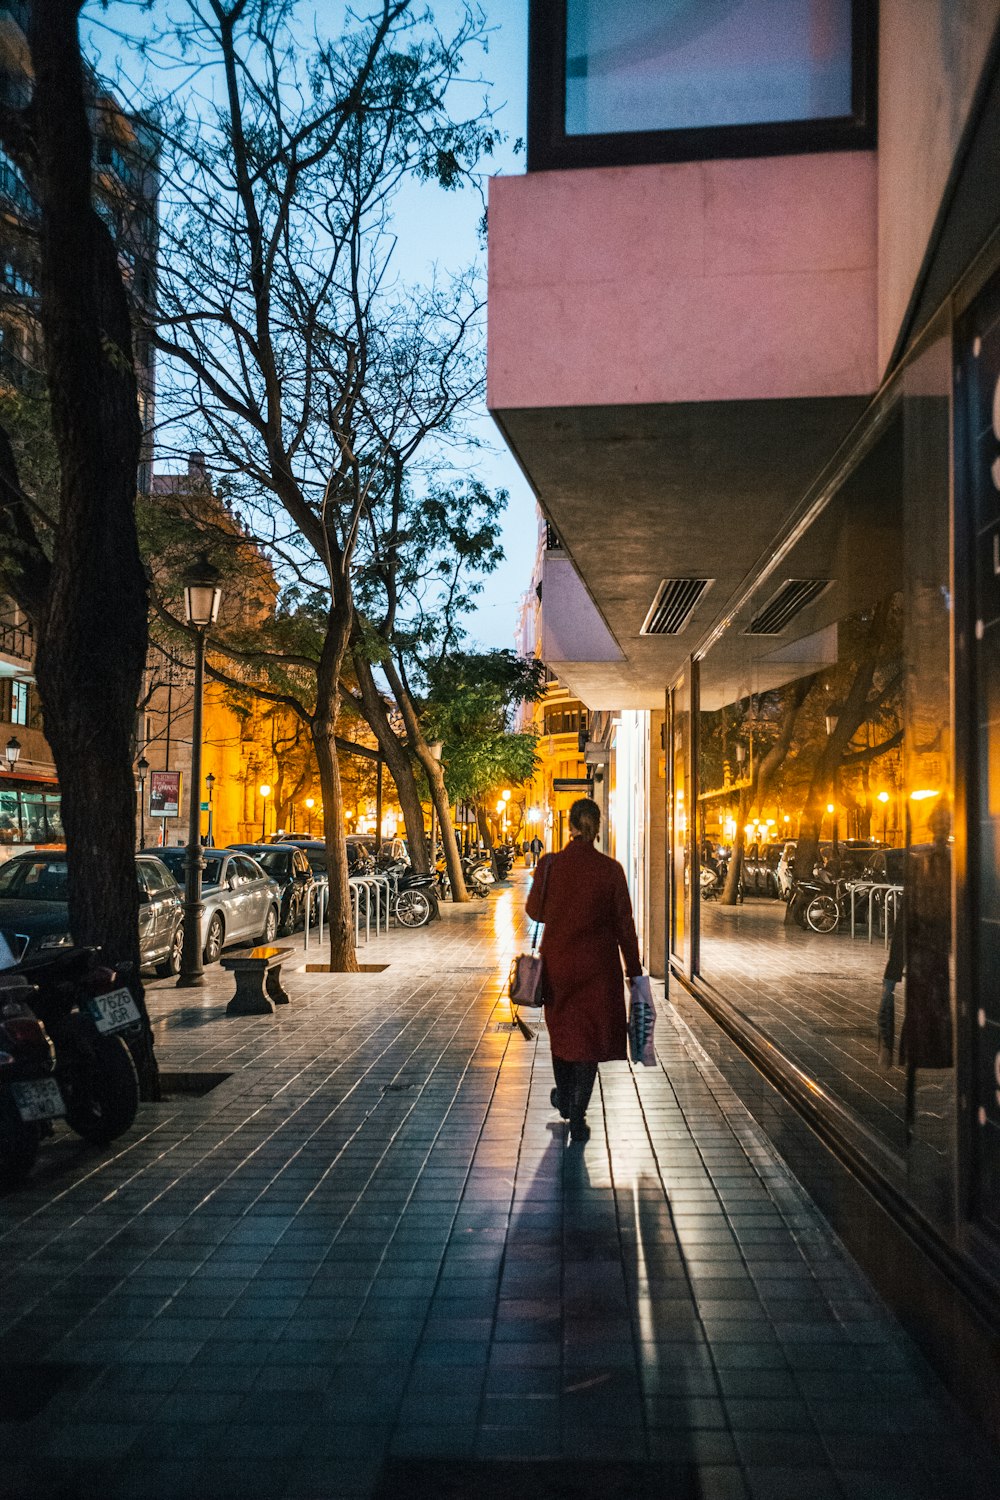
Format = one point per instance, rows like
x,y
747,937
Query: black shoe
x,y
554,1101
579,1130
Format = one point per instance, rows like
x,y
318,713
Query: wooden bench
x,y
258,980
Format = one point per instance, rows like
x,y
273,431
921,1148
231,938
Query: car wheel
x,y
172,963
270,932
214,940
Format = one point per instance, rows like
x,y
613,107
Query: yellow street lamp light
x,y
310,804
265,792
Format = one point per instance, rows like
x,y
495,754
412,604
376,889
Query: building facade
x,y
743,339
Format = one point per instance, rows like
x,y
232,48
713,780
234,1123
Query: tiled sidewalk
x,y
367,1264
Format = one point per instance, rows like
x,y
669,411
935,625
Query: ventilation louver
x,y
674,605
794,595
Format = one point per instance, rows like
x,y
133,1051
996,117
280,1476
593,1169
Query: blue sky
x,y
435,228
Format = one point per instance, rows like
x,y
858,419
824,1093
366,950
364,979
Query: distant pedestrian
x,y
534,849
582,898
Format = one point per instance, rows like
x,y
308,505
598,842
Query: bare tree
x,y
297,359
80,580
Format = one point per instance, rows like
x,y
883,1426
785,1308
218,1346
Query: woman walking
x,y
582,898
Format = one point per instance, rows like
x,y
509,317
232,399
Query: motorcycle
x,y
821,904
412,901
87,1011
30,1098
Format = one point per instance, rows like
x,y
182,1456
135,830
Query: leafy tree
x,y
470,704
298,362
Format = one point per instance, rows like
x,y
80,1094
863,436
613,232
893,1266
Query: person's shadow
x,y
592,1263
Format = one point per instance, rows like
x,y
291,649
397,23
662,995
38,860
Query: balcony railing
x,y
16,640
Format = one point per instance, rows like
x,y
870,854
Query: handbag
x,y
524,985
641,1020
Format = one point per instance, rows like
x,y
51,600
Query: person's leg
x,y
562,1094
584,1077
886,1024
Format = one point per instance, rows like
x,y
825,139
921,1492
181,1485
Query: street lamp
x,y
12,752
310,804
202,596
142,766
265,792
210,784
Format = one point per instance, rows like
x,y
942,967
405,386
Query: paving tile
x,y
307,1283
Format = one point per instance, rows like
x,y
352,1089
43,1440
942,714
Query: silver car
x,y
241,903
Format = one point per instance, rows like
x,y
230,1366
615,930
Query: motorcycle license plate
x,y
113,1012
38,1100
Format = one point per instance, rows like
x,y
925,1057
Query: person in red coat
x,y
582,898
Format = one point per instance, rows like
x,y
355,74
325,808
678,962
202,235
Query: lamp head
x,y
13,752
202,594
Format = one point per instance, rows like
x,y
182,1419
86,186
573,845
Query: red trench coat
x,y
588,918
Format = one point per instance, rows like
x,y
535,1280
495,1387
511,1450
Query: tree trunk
x,y
92,635
730,891
435,781
397,759
483,824
343,958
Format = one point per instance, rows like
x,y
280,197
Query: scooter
x,y
86,1010
413,901
30,1098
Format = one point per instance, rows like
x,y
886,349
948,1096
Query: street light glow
x,y
265,790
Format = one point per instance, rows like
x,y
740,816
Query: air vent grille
x,y
674,605
793,596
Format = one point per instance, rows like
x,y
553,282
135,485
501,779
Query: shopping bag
x,y
641,1020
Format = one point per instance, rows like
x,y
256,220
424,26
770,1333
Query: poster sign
x,y
164,794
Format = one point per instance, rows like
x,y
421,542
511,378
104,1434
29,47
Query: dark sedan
x,y
289,869
34,909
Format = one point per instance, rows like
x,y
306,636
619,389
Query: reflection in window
x,y
651,65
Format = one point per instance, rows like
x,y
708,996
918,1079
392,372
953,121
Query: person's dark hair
x,y
585,818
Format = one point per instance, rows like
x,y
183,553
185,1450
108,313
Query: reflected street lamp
x,y
265,792
883,797
202,596
310,804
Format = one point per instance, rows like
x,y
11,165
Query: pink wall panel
x,y
696,281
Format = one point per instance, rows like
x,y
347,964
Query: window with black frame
x,y
612,84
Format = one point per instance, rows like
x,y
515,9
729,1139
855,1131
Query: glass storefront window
x,y
824,788
651,66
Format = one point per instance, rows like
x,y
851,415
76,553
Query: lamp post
x,y
435,748
12,752
310,804
210,784
265,792
202,596
142,766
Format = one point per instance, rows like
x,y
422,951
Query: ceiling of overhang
x,y
642,493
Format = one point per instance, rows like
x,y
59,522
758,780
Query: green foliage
x,y
470,706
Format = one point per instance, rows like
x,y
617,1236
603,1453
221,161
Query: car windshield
x,y
34,880
274,861
176,862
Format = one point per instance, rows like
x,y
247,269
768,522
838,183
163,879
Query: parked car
x,y
34,908
241,902
289,868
